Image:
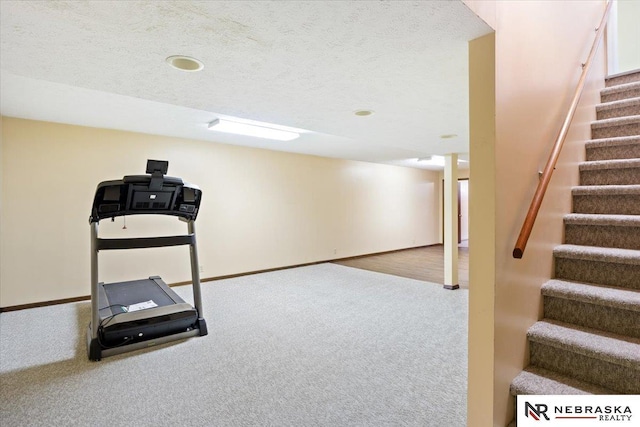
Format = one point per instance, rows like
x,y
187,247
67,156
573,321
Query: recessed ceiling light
x,y
363,113
185,63
448,136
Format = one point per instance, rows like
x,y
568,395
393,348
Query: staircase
x,y
589,339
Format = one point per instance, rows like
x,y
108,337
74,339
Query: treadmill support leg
x,y
93,347
202,326
195,278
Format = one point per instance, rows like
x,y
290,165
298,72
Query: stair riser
x,y
607,236
630,129
632,110
619,80
626,176
619,378
603,273
617,96
631,151
623,204
608,319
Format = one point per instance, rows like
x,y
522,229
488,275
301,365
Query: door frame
x,y
459,210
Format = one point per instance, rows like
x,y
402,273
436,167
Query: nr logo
x,y
536,411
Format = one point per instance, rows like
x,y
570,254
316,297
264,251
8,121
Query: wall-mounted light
x,y
259,131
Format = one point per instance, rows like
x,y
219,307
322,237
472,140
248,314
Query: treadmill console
x,y
154,193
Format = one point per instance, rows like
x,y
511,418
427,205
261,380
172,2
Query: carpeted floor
x,y
323,345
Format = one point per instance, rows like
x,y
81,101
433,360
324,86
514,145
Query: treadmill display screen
x,y
151,200
146,194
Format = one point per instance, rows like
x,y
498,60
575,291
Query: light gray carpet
x,y
323,345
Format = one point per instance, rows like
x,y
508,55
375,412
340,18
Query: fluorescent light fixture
x,y
259,131
432,160
436,160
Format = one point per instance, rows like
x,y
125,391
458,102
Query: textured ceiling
x,y
304,64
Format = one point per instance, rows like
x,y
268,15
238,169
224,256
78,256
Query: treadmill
x,y
128,316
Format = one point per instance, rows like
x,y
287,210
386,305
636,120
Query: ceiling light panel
x,y
436,160
248,129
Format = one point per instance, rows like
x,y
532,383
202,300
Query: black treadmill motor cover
x,y
146,194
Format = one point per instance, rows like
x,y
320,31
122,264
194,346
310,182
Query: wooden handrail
x,y
545,178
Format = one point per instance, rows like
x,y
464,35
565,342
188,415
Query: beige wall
x,y
628,35
261,209
539,47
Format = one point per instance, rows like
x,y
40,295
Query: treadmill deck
x,y
124,321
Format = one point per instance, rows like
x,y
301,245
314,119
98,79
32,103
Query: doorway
x,y
463,212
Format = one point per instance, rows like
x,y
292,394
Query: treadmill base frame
x,y
96,352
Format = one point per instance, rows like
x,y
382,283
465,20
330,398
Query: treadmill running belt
x,y
136,291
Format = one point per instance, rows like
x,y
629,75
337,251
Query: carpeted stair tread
x,y
618,108
609,164
536,380
612,348
602,220
624,87
621,78
613,141
621,103
606,190
596,253
616,121
609,296
603,230
621,91
610,172
617,147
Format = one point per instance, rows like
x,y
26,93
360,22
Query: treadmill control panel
x,y
146,194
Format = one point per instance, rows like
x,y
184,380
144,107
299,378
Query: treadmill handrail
x,y
144,242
